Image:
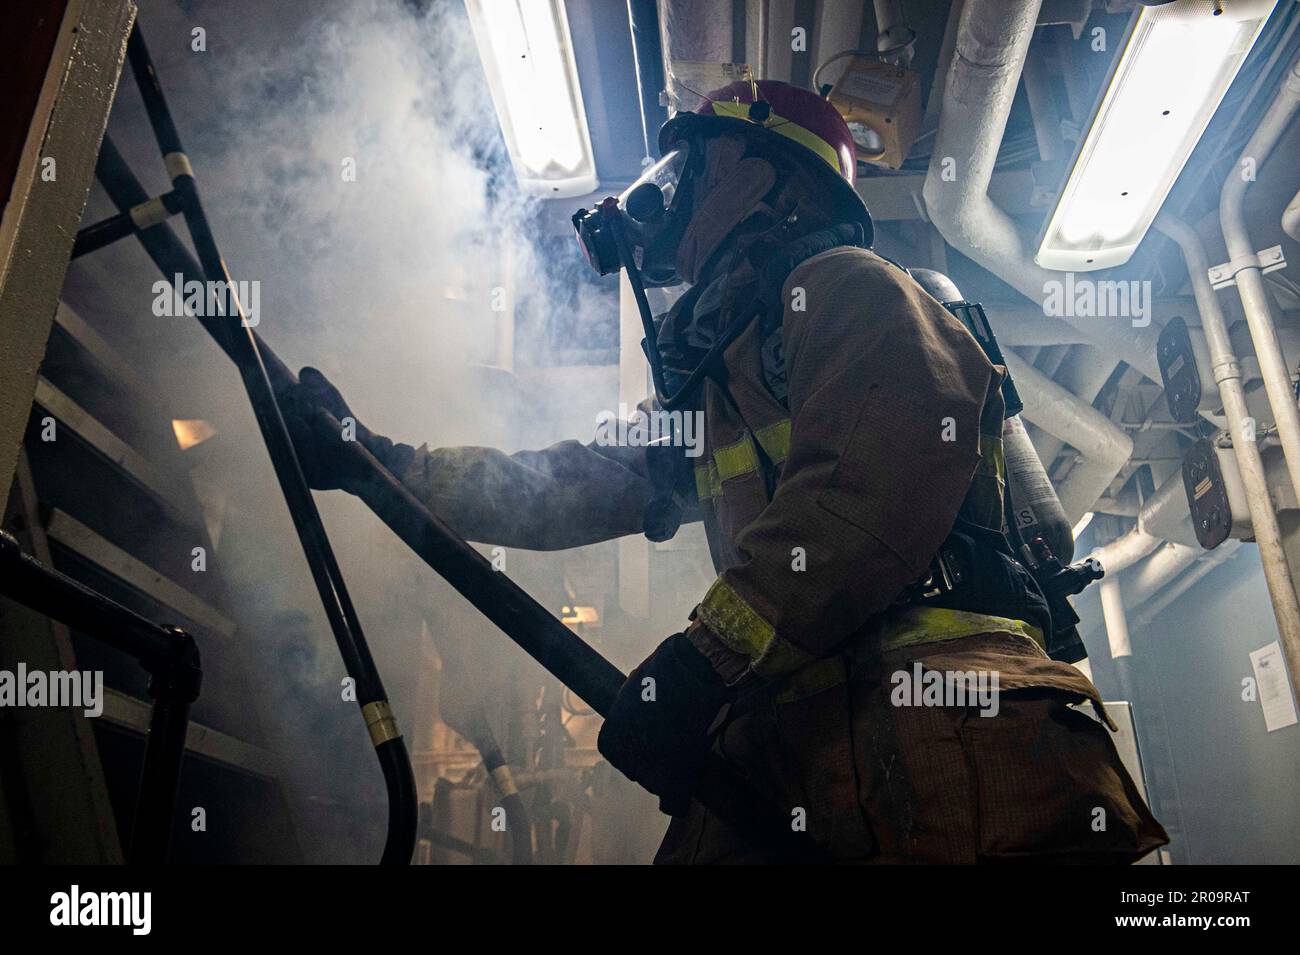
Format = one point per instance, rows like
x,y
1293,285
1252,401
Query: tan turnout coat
x,y
817,516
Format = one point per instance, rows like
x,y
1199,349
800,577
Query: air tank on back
x,y
1035,507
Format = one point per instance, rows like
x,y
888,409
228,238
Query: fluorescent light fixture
x,y
1082,526
1177,62
527,54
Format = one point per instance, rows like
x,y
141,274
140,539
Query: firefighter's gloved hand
x,y
657,732
321,447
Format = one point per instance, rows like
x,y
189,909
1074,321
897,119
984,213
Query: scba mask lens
x,y
647,199
646,215
639,231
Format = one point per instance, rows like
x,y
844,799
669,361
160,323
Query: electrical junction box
x,y
1184,364
1215,494
881,102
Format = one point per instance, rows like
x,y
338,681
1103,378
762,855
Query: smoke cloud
x,y
350,163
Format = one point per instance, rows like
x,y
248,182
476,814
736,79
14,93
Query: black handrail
x,y
240,343
171,657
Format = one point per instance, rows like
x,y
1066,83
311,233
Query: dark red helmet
x,y
797,114
792,115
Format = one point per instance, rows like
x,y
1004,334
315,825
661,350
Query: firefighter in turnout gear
x,y
872,655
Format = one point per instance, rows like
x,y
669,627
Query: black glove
x,y
321,447
657,733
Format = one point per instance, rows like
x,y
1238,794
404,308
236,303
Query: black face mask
x,y
651,215
639,231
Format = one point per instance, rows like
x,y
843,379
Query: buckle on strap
x,y
947,571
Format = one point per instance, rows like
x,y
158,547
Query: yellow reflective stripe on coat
x,y
775,440
707,484
915,626
736,459
741,457
743,630
992,460
983,503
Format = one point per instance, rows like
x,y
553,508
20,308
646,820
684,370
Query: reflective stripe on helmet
x,y
787,128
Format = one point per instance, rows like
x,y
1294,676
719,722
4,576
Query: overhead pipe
x,y
1166,563
1163,520
1227,374
648,65
1104,445
1083,375
992,41
1166,514
893,36
1249,279
1205,564
1115,619
1291,218
1126,550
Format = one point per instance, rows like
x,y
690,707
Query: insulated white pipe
x,y
1203,566
1112,612
891,28
1250,281
1254,300
1125,551
1227,374
1084,376
992,40
1104,445
1163,521
1165,513
1291,218
1165,563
